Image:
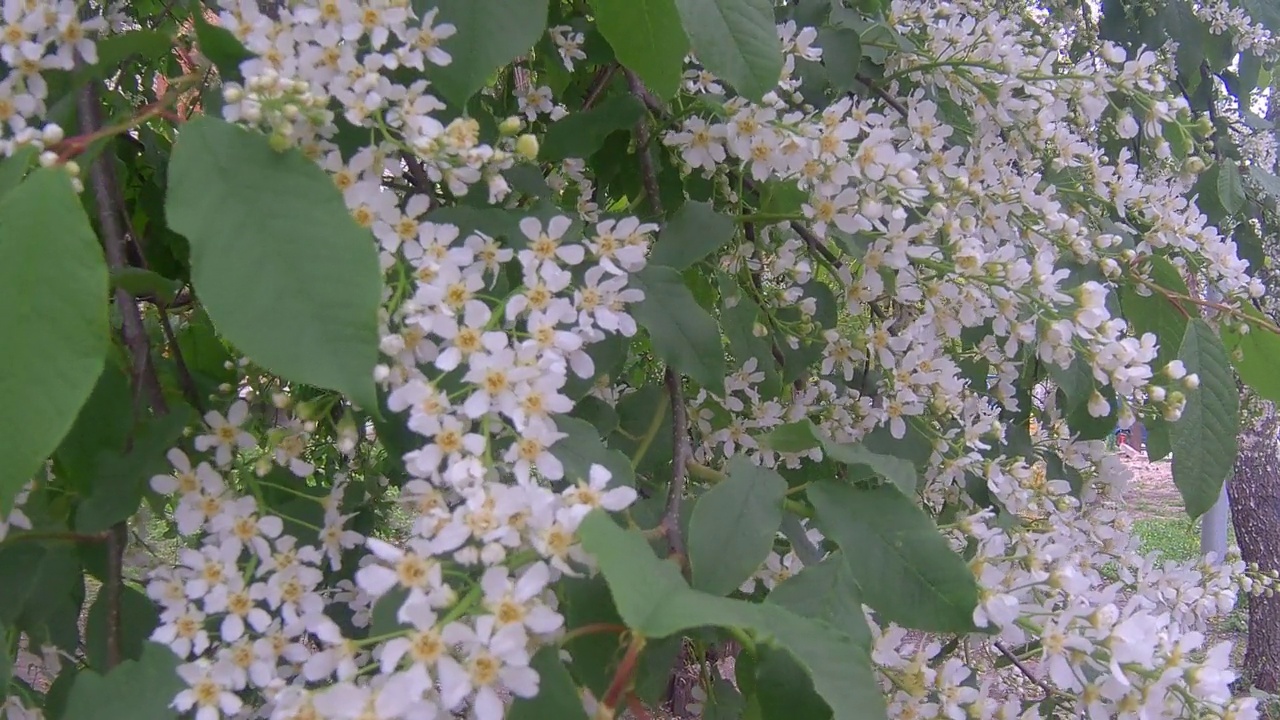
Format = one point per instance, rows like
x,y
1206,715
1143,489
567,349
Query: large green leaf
x,y
693,232
53,283
580,134
737,40
557,694
1269,183
1204,438
1230,188
804,435
647,37
490,34
733,526
138,617
284,271
683,334
139,689
654,600
583,448
905,568
14,168
828,592
1256,355
1155,313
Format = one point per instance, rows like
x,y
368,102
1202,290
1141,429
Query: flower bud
x,y
51,134
1191,381
232,94
511,126
527,147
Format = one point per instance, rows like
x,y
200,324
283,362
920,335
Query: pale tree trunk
x,y
1254,492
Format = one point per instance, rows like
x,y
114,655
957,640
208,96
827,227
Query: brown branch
x,y
648,174
682,453
143,376
1048,691
815,244
598,85
622,676
417,173
881,93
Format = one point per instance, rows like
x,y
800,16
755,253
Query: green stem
x,y
654,426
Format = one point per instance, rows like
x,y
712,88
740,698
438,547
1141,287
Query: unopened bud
x,y
1191,381
511,125
527,147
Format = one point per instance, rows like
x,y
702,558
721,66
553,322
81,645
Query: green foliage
x,y
557,694
583,448
734,525
803,435
1155,313
221,47
289,278
647,37
1204,438
1254,355
580,134
693,232
737,40
655,601
683,334
117,694
490,34
54,281
905,569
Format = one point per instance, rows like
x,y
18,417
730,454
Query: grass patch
x,y
1176,539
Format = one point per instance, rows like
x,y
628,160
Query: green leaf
x,y
583,448
557,694
652,598
490,34
136,689
146,44
1155,313
648,38
14,168
42,590
733,526
783,690
841,55
288,277
140,282
1204,438
695,231
683,334
737,40
121,478
1075,381
1159,445
907,571
1269,183
221,47
53,282
138,618
1255,354
6,662
828,592
581,134
804,435
1230,188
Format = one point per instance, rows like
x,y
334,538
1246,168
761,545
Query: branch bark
x,y
104,186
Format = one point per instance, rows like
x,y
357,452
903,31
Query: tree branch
x,y
598,84
648,174
1048,691
144,380
681,453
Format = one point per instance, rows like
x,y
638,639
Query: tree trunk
x,y
1254,493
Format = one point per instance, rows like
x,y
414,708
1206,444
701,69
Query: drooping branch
x,y
681,453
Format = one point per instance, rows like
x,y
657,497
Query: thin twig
x,y
188,383
815,244
1048,691
417,173
681,453
648,174
598,84
881,93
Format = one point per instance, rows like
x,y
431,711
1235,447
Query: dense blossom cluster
x,y
965,208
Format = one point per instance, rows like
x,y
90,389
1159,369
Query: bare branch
x,y
648,174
